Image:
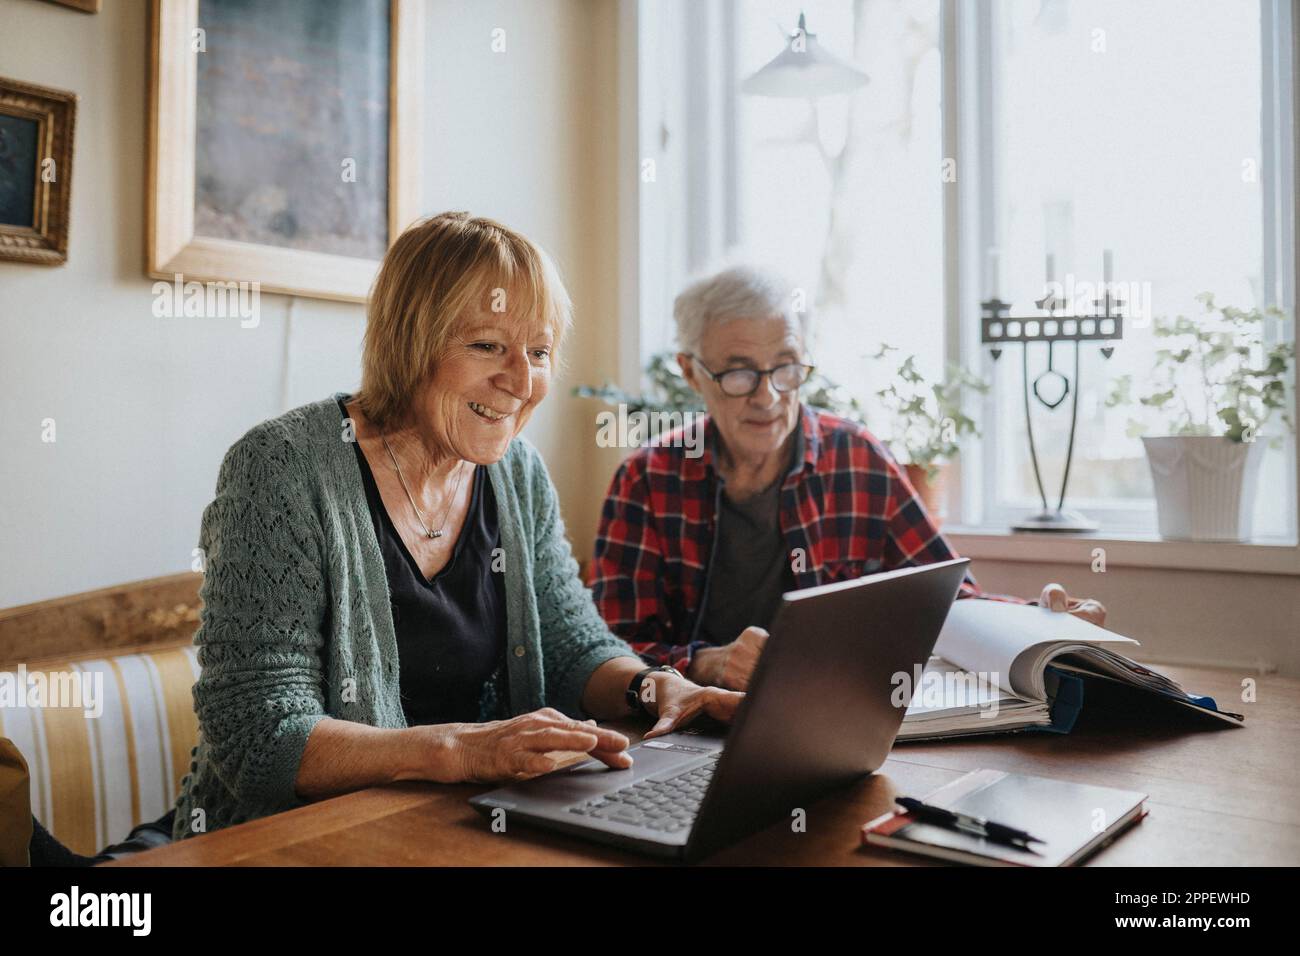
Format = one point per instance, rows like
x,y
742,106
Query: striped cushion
x,y
92,780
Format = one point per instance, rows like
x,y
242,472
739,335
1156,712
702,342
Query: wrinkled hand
x,y
677,701
732,664
518,748
1055,597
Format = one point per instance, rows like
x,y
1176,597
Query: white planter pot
x,y
1205,487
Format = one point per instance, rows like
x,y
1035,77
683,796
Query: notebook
x,y
1074,819
1001,667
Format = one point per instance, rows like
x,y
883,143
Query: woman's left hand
x,y
678,701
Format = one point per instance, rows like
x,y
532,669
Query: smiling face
x,y
757,425
495,371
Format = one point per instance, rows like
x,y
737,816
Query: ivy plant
x,y
927,417
1214,375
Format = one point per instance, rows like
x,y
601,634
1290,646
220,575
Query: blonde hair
x,y
436,271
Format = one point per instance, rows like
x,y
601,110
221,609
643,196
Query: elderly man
x,y
694,553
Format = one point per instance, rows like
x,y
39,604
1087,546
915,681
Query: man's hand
x,y
1055,598
677,701
731,665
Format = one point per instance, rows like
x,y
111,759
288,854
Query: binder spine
x,y
1066,693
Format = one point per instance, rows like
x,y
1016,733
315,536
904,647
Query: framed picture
x,y
36,125
284,140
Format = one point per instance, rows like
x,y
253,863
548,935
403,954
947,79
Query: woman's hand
x,y
677,701
1055,597
731,664
518,748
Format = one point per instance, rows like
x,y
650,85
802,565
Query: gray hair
x,y
738,292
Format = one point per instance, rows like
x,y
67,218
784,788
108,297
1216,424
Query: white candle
x,y
1051,267
1107,265
993,272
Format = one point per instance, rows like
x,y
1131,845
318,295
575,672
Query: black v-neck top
x,y
451,630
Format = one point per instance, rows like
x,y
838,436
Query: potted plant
x,y
927,422
1215,385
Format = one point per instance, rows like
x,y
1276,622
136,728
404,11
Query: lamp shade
x,y
803,70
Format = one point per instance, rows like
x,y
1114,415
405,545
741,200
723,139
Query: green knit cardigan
x,y
297,623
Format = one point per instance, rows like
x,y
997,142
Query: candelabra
x,y
1059,323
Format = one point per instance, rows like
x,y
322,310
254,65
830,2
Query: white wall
x,y
146,407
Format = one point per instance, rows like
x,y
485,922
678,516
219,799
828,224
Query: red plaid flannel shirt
x,y
846,511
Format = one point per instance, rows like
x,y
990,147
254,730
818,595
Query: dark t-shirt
x,y
751,567
451,630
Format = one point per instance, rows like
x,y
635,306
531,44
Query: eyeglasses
x,y
739,382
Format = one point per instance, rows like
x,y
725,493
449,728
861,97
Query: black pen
x,y
964,822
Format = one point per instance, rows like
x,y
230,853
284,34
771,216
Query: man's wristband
x,y
633,694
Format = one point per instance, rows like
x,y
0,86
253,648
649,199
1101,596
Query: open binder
x,y
1001,667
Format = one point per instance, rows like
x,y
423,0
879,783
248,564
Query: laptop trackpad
x,y
591,778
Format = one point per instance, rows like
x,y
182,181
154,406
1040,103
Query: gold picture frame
x,y
35,171
172,245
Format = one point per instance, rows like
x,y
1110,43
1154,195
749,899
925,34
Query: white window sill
x,y
1124,550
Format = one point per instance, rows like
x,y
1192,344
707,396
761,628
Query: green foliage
x,y
669,392
928,421
1215,376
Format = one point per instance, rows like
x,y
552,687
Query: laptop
x,y
819,714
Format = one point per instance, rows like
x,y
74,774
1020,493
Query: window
x,y
1158,130
1134,127
846,196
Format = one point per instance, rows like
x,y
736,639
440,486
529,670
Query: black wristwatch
x,y
634,689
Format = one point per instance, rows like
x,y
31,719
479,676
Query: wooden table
x,y
1216,797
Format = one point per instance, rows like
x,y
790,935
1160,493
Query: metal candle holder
x,y
998,329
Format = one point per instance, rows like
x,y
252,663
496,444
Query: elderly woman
x,y
694,553
389,594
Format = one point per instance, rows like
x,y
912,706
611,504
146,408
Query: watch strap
x,y
633,694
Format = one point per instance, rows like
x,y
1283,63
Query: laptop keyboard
x,y
665,805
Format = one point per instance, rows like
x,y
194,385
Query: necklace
x,y
428,532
